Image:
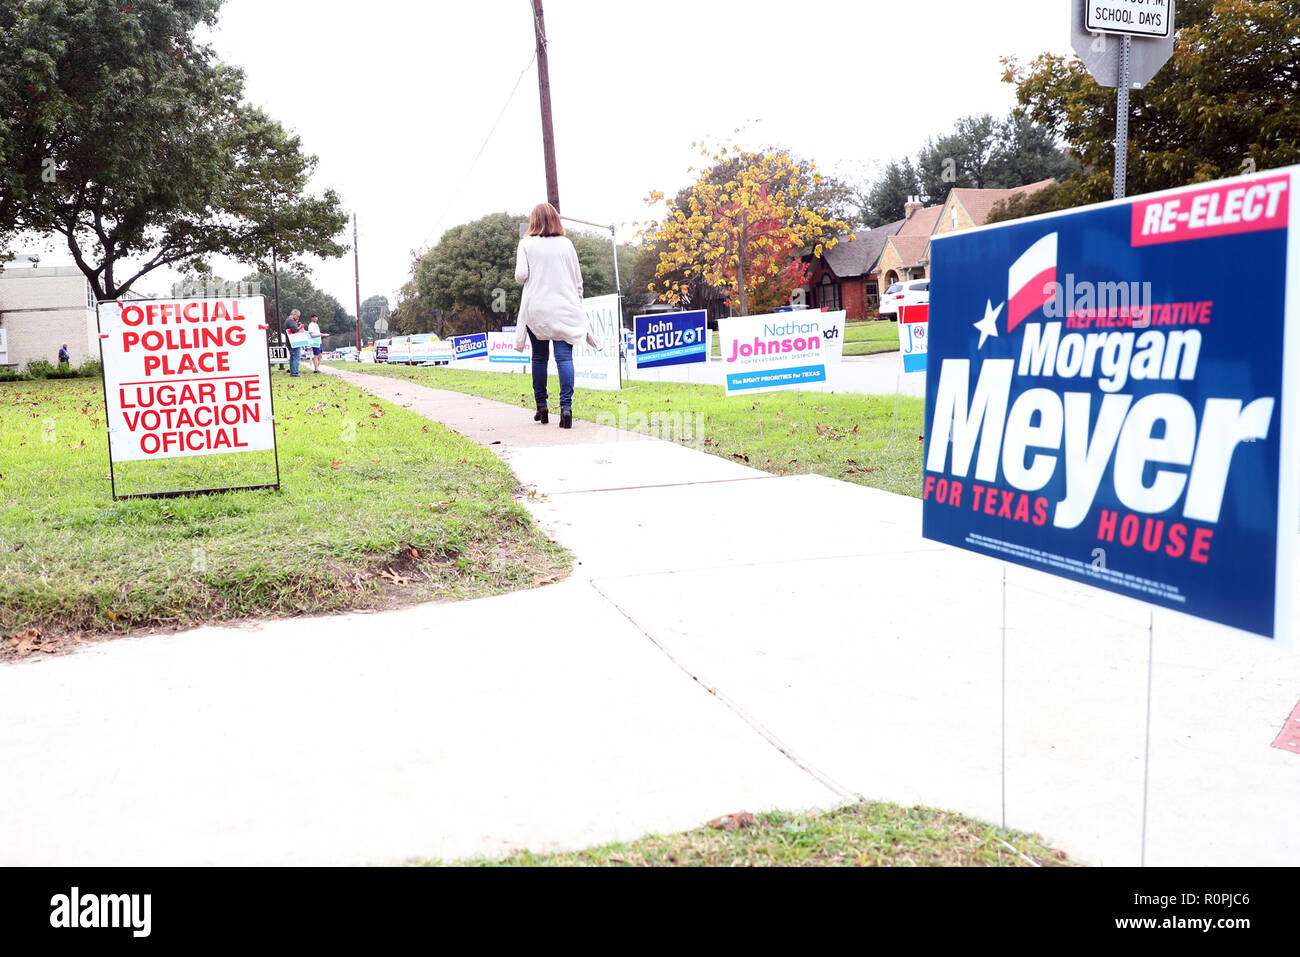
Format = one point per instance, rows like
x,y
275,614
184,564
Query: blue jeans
x,y
563,363
295,356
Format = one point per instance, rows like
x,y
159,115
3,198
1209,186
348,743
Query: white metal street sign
x,y
1134,18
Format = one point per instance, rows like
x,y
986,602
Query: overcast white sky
x,y
396,96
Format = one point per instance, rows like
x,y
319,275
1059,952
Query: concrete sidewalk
x,y
730,640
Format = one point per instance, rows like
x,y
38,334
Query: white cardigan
x,y
552,301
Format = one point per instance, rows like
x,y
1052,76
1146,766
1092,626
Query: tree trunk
x,y
740,263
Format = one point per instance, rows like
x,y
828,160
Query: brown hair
x,y
545,221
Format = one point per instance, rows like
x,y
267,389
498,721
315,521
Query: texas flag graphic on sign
x,y
1030,281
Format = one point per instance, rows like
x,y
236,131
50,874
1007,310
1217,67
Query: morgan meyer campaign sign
x,y
1111,397
671,339
185,377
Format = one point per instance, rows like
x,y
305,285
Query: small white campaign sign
x,y
1137,18
772,353
186,377
598,368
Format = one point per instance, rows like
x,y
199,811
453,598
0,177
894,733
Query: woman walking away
x,y
551,309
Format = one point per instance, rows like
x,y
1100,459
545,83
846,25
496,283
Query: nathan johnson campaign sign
x,y
771,353
671,339
1112,397
185,377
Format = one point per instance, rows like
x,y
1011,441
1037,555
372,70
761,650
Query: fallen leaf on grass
x,y
393,577
415,553
733,822
23,641
336,464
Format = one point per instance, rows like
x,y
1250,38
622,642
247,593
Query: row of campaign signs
x,y
766,353
1107,399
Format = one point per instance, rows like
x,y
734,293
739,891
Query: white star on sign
x,y
988,326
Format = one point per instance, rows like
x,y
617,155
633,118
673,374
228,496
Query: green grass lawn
x,y
870,338
861,338
843,436
860,835
377,506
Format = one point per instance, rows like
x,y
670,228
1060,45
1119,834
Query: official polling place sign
x,y
1112,397
473,346
185,377
671,339
772,353
913,337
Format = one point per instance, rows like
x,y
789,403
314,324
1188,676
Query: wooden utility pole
x,y
356,264
544,87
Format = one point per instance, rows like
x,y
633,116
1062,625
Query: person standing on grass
x,y
313,330
293,326
64,358
551,307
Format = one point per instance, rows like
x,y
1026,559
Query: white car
x,y
915,292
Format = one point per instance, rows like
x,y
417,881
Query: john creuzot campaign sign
x,y
1111,397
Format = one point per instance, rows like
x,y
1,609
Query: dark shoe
x,y
542,416
566,419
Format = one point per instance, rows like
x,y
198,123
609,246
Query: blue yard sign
x,y
470,347
671,339
1111,397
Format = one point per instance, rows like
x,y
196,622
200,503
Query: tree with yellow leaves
x,y
741,228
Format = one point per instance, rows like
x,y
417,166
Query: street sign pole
x,y
1122,43
1121,118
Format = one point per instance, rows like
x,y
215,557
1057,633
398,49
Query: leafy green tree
x,y
127,137
413,315
891,192
470,273
371,310
1028,153
962,158
298,291
1228,102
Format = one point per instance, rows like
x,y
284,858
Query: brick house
x,y
907,254
900,260
845,276
968,208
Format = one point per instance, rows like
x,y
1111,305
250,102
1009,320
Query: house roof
x,y
910,248
979,203
921,222
859,257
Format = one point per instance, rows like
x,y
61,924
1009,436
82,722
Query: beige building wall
x,y
953,210
889,263
42,308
